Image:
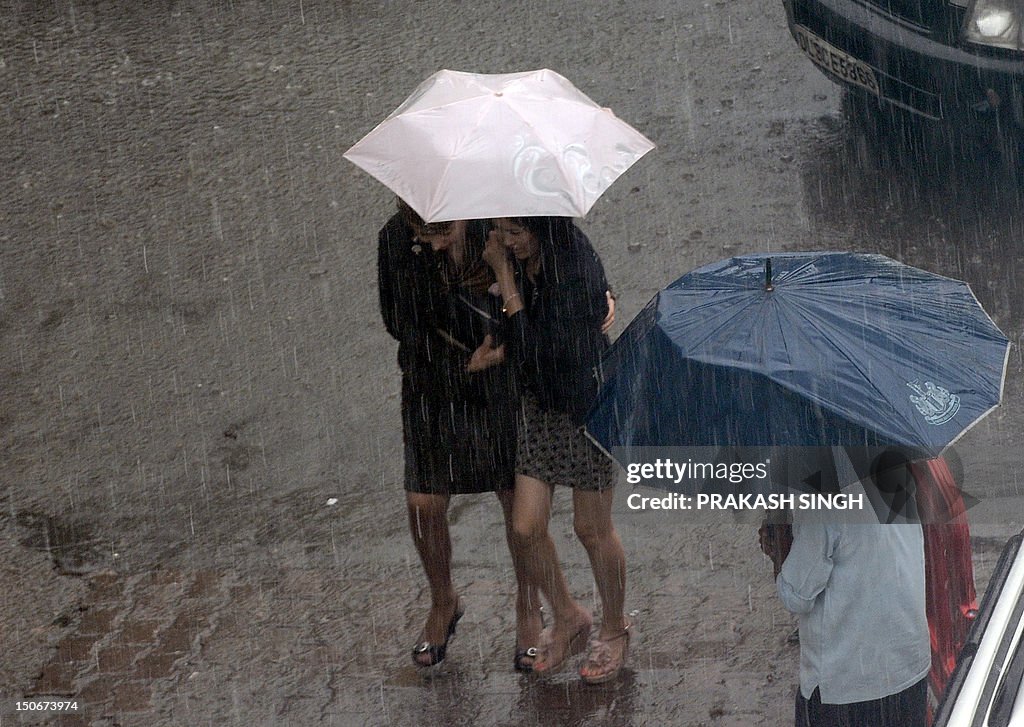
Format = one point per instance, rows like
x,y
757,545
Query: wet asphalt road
x,y
192,364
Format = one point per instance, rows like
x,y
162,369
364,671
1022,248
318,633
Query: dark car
x,y
960,62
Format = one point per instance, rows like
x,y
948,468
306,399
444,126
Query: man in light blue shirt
x,y
859,590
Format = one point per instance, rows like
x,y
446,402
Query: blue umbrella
x,y
802,349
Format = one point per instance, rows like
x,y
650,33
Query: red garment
x,y
950,600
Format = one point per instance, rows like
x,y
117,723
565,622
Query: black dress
x,y
458,428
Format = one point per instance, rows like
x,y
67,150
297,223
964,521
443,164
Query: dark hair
x,y
547,230
412,218
565,252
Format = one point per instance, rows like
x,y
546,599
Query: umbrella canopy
x,y
474,145
836,349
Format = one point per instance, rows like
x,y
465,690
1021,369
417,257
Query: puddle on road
x,y
73,547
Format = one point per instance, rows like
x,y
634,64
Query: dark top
x,y
556,339
458,428
437,315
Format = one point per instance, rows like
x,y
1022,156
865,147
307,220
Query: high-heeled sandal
x,y
517,662
437,652
600,657
573,646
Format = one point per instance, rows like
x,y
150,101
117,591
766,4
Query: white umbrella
x,y
475,145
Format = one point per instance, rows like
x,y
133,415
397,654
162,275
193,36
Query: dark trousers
x,y
903,709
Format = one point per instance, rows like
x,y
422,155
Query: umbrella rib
x,y
443,176
969,427
430,110
713,333
812,321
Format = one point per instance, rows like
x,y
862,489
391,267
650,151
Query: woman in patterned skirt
x,y
553,291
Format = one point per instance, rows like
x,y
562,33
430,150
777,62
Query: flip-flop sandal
x,y
600,658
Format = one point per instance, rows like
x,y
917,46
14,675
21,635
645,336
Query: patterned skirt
x,y
552,449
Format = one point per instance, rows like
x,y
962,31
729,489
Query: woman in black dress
x,y
553,289
457,403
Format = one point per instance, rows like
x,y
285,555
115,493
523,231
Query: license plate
x,y
834,61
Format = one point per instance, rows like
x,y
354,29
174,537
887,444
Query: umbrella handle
x,y
768,274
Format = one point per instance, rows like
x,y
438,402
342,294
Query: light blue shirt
x,y
860,593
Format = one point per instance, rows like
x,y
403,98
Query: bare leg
x,y
428,523
592,520
528,616
531,512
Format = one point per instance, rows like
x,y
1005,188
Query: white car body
x,y
987,688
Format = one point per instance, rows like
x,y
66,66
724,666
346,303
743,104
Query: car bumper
x,y
914,71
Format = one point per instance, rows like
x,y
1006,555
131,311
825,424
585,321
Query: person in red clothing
x,y
950,599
